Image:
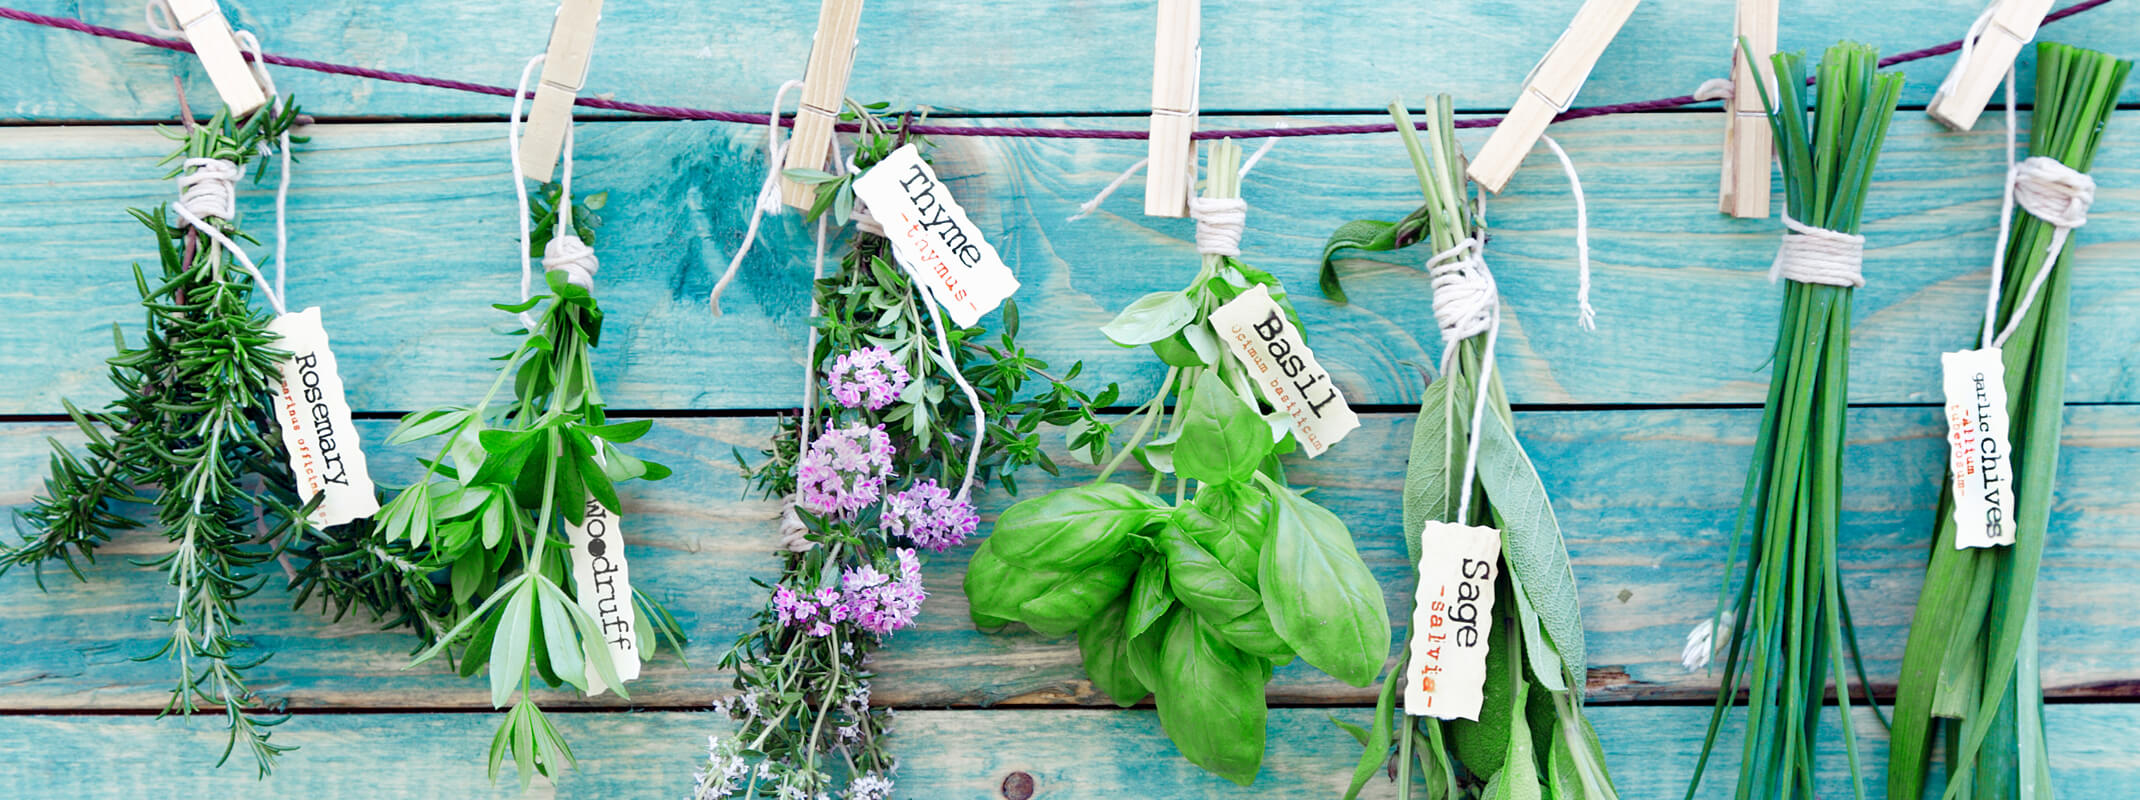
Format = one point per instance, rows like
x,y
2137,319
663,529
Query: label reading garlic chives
x,y
1267,342
317,431
1452,621
602,584
933,238
1979,447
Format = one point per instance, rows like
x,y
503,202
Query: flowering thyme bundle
x,y
1529,738
1790,623
1970,669
874,473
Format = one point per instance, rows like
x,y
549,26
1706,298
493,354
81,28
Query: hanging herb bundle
x,y
884,473
1970,671
1528,737
1790,622
192,435
510,481
1192,598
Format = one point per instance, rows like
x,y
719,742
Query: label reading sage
x,y
1267,342
316,428
932,236
603,585
1452,621
1978,447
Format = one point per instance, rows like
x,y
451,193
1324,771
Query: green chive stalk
x,y
1790,621
1970,669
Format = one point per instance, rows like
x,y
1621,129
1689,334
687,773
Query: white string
x,y
2054,193
1466,304
768,201
251,43
1086,208
1969,44
1219,222
793,534
565,251
1585,315
1819,255
951,365
1715,89
520,189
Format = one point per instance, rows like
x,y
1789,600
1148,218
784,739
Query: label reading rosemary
x,y
931,235
1270,346
1978,447
1452,621
602,583
316,428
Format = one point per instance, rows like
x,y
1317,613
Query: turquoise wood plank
x,y
1064,754
1029,57
1646,498
404,233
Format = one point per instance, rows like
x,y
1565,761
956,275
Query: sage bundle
x,y
519,505
1790,623
906,414
1493,691
1971,673
1193,597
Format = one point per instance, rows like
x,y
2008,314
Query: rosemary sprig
x,y
191,436
1790,621
1970,667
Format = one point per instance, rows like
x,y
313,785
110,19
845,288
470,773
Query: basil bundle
x,y
1970,668
1790,621
1530,739
1191,601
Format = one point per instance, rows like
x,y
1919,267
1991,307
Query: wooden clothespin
x,y
1176,63
1749,143
212,40
2009,24
564,71
1550,89
832,57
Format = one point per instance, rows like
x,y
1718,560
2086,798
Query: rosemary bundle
x,y
1790,622
192,436
509,481
1970,672
1529,737
875,474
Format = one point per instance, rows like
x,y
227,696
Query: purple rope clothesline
x,y
682,113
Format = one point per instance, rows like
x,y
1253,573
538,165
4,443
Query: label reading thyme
x,y
931,235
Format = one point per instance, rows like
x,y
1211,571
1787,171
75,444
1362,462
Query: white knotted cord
x,y
1969,44
565,251
1818,255
1086,208
1585,316
2054,193
1715,89
768,200
1466,304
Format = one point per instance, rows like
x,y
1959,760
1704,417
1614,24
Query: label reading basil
x,y
1452,621
316,428
1267,342
1978,447
603,586
931,235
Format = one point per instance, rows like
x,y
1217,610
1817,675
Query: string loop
x,y
1818,255
1219,222
2055,193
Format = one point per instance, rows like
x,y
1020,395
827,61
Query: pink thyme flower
x,y
870,377
881,603
845,470
930,516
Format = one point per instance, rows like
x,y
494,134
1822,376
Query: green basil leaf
x,y
1322,598
1252,633
994,589
1222,439
1144,649
1151,318
1201,582
1074,527
1104,642
1210,699
1149,598
1230,521
1075,599
1531,542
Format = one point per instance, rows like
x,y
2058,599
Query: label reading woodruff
x,y
602,583
316,428
1979,447
1267,342
1452,621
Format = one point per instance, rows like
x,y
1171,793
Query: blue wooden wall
x,y
402,229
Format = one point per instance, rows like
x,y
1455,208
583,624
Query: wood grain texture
x,y
954,755
1006,57
403,234
1646,498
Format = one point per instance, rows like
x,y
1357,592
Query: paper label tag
x,y
603,586
931,235
1265,341
1977,447
1452,621
316,429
